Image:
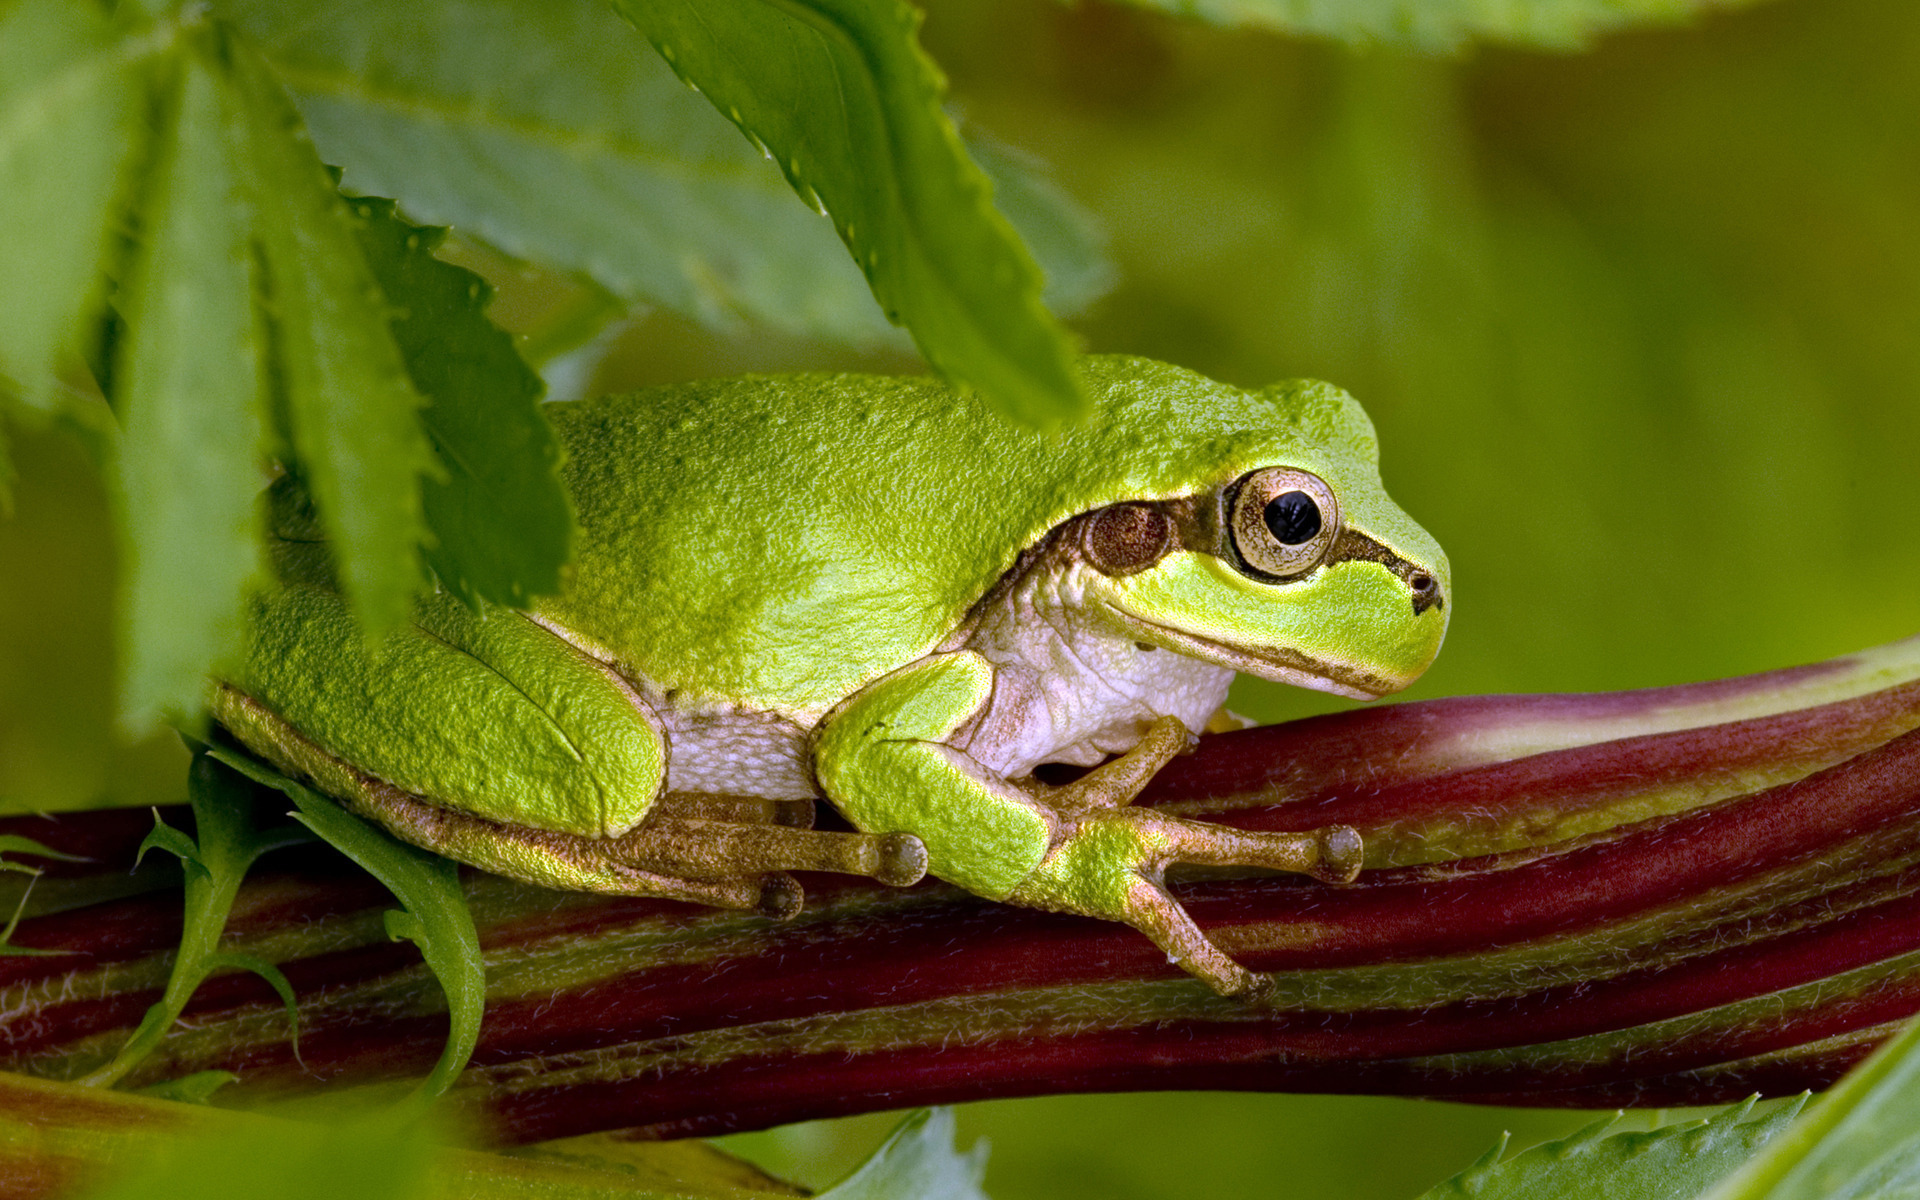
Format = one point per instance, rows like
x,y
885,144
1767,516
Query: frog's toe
x,y
1332,853
1341,853
900,859
781,896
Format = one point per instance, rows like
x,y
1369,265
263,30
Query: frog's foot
x,y
1109,860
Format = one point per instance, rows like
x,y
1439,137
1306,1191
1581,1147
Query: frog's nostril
x,y
1426,592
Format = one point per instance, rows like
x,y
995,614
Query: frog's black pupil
x,y
1293,517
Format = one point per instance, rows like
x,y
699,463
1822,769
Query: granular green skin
x,y
781,542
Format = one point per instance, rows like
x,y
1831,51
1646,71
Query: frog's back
x,y
779,542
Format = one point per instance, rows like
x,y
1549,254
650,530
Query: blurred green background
x,y
1637,326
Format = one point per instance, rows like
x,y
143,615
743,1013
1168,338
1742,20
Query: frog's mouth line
x,y
1284,666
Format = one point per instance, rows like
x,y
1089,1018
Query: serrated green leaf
x,y
918,1159
1066,241
610,167
190,400
350,409
844,99
1445,24
436,916
216,859
1669,1163
165,837
69,131
1862,1134
501,520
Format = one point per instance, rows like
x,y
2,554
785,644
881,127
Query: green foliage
x,y
840,94
260,313
500,513
1443,24
342,389
13,843
1861,1139
918,1159
69,134
192,429
552,131
433,913
213,862
1668,1163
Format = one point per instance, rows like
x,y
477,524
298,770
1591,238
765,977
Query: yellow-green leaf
x,y
192,444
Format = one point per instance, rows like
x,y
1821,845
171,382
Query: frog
x,y
975,641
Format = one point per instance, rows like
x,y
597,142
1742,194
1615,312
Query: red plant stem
x,y
1679,911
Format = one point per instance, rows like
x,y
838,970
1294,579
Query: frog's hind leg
x,y
727,863
728,852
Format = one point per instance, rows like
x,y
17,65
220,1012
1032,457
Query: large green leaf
x,y
840,94
350,409
1669,1163
1445,24
69,129
1861,1139
501,520
919,1160
609,167
193,435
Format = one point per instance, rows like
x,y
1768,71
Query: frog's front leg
x,y
1082,848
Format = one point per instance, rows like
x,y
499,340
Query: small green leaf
x,y
197,1088
190,395
13,843
1670,1163
165,837
501,520
436,916
215,861
69,131
1861,1135
351,411
1444,24
919,1160
843,98
275,979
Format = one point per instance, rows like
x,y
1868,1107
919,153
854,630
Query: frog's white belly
x,y
1067,689
1071,692
728,750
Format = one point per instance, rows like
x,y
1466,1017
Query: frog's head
x,y
1289,563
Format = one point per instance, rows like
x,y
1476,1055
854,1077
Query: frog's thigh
x,y
485,713
883,760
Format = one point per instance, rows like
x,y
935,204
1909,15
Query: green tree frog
x,y
872,590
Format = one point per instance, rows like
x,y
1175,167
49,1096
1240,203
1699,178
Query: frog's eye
x,y
1283,521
